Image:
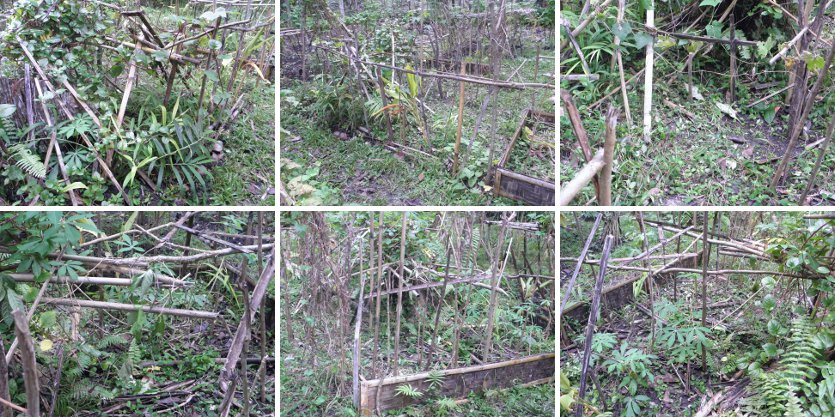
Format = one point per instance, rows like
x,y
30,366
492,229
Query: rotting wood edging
x,y
622,293
521,187
457,382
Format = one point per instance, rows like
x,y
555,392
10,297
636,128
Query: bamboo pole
x,y
103,305
380,231
460,120
798,125
494,282
357,341
648,76
705,257
732,81
400,293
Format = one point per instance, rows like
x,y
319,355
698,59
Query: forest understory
x,y
735,117
416,103
417,314
163,103
137,314
655,322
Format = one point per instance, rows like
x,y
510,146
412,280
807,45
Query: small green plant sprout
x,y
407,390
435,379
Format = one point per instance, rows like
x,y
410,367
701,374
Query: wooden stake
x,y
690,76
608,157
460,119
648,77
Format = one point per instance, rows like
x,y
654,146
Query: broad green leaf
x,y
710,3
642,40
622,30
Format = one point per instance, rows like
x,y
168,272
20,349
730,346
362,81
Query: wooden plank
x,y
521,187
457,383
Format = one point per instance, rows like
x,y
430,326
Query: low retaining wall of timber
x,y
457,383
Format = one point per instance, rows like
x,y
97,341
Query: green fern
x,y
435,378
407,390
793,407
775,393
27,161
112,340
476,241
447,404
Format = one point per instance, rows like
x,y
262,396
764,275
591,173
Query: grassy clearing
x,y
318,167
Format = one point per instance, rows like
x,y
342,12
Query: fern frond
x,y
27,161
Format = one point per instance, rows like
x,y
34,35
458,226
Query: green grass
x,y
249,153
693,161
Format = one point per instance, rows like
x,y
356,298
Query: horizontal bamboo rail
x,y
103,305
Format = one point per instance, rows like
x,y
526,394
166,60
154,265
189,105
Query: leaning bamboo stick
x,y
592,321
583,177
579,264
242,333
456,371
105,305
788,46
